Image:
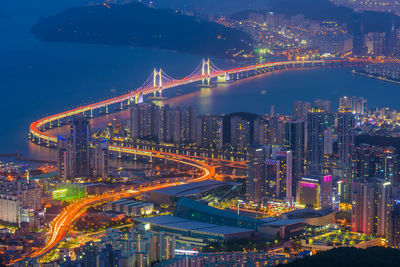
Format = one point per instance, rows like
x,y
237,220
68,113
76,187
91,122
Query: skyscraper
x,y
278,176
394,227
276,131
209,130
323,104
257,156
363,162
301,109
387,165
77,157
346,123
144,121
80,136
371,206
316,126
357,104
358,34
296,142
240,132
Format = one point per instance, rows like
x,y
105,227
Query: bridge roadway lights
x,y
222,79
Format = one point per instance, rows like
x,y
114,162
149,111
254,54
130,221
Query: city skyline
x,y
260,134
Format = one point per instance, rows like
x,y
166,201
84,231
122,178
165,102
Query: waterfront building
x,y
143,121
301,109
209,131
378,43
77,157
188,128
358,34
323,104
240,132
357,105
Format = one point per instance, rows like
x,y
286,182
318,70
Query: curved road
x,y
60,225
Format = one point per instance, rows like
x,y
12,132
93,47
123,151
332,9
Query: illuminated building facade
x,y
240,132
278,179
357,104
315,191
77,157
209,131
257,156
371,207
346,124
296,142
301,109
363,162
394,227
316,125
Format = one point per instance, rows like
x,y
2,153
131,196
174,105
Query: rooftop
x,y
174,222
192,188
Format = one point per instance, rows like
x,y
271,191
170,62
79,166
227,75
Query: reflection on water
x,y
257,94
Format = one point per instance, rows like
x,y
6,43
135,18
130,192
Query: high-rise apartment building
x,y
371,206
209,130
240,133
255,181
301,109
316,125
78,157
296,142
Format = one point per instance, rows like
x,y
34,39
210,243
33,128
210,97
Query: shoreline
x,y
374,77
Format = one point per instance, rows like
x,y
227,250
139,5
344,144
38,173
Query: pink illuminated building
x,y
315,191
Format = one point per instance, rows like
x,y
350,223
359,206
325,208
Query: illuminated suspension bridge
x,y
157,82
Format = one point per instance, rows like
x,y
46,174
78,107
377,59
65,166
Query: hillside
x,y
138,25
325,10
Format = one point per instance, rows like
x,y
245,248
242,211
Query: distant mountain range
x,y
138,25
325,10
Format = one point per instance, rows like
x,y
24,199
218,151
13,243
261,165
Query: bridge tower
x,y
205,70
138,98
157,81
